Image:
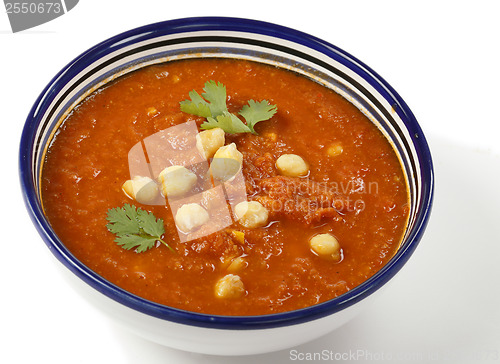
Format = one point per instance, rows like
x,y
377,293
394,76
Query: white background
x,y
441,56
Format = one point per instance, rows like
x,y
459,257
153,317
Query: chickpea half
x,y
142,189
251,214
190,217
292,165
176,181
325,245
209,141
229,286
226,163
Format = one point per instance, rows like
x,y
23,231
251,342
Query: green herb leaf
x,y
141,243
196,106
135,228
149,223
257,111
122,221
215,94
213,107
228,122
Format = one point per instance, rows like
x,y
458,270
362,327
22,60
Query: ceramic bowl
x,y
240,39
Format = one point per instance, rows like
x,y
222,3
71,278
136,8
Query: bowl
x,y
242,39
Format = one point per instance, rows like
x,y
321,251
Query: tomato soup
x,y
328,200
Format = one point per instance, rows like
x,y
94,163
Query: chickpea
x,y
209,141
152,111
325,245
142,189
229,286
335,150
236,264
190,216
271,136
226,162
251,214
292,165
176,181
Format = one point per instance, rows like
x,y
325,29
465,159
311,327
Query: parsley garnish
x,y
212,105
135,228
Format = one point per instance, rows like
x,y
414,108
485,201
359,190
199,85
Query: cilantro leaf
x,y
135,228
196,106
149,223
228,122
213,107
131,241
257,111
215,94
122,221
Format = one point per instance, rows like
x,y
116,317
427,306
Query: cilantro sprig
x,y
135,228
211,104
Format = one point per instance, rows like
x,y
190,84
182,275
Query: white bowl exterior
x,y
213,341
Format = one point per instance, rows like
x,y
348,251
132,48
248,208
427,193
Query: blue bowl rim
x,y
216,321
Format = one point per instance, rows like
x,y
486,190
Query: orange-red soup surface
x,y
349,161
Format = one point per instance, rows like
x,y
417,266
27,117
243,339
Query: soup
x,y
327,199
